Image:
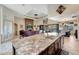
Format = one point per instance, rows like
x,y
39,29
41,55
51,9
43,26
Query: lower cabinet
x,y
58,46
51,50
54,48
45,52
62,41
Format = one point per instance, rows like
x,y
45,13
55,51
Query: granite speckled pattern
x,y
32,45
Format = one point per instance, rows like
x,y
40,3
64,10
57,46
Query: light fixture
x,y
35,14
60,9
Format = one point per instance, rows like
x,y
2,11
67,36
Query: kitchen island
x,y
38,45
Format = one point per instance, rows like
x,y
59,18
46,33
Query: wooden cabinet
x,y
51,49
58,46
55,47
62,41
28,22
45,52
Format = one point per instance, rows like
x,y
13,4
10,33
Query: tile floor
x,y
71,44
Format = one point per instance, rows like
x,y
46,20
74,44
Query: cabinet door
x,y
62,41
51,50
57,46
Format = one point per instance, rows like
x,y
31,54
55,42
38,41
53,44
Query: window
x,y
7,29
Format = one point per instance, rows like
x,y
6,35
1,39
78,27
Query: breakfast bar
x,y
39,44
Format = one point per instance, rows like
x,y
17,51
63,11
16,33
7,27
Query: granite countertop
x,y
33,45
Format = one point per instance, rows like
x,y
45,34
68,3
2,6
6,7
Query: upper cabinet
x,y
28,24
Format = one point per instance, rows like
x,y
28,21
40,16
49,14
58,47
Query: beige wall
x,y
52,22
19,22
40,22
10,16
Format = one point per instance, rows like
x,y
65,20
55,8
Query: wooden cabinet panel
x,y
62,41
51,50
55,47
45,52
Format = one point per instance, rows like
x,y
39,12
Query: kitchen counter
x,y
34,45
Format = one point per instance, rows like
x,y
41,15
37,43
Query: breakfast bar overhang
x,y
39,44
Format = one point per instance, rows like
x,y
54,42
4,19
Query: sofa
x,y
28,33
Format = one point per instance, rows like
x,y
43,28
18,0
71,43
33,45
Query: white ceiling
x,y
48,10
29,10
71,10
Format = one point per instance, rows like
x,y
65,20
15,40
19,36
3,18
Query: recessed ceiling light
x,y
35,14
